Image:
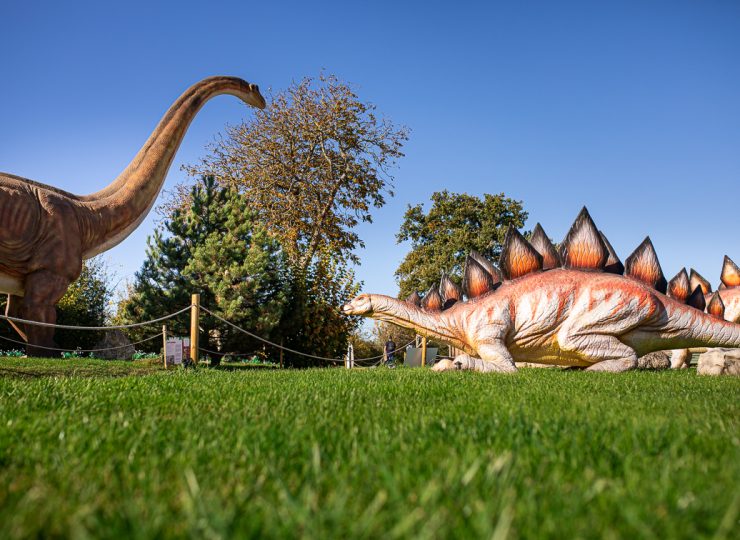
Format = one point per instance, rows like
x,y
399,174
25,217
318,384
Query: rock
x,y
719,362
655,360
115,338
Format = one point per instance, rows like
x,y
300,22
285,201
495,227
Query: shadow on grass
x,y
18,373
34,368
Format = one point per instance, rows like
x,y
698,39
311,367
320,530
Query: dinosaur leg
x,y
498,357
680,358
495,358
43,291
13,309
463,362
444,365
605,352
616,365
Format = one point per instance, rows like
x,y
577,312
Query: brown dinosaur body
x,y
45,232
577,314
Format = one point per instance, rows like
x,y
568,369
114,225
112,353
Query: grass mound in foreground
x,y
365,453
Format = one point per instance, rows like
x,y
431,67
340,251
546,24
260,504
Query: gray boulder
x,y
655,360
719,362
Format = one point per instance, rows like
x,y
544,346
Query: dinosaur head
x,y
361,305
252,95
249,93
407,315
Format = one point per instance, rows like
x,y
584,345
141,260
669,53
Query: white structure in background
x,y
349,360
413,356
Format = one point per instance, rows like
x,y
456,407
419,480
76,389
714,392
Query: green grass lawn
x,y
113,449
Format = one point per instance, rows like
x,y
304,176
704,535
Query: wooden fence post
x,y
194,329
164,344
281,353
423,351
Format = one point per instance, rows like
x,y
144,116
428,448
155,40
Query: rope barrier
x,y
116,327
238,355
255,336
380,356
375,364
170,316
158,335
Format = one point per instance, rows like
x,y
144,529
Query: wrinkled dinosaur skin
x,y
45,233
563,317
731,299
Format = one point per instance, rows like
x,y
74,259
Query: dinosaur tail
x,y
688,327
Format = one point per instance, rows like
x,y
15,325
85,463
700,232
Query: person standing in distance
x,y
390,349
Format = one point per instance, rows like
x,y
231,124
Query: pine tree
x,y
313,166
215,248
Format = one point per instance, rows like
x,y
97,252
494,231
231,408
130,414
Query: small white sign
x,y
178,349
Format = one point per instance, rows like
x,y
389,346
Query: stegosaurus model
x,y
569,308
722,304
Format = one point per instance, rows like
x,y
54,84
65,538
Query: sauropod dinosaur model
x,y
45,232
724,303
572,314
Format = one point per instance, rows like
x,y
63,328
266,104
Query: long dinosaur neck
x,y
430,324
110,215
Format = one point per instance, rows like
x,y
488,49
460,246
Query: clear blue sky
x,y
631,108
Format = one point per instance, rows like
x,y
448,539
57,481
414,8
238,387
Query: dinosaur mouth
x,y
358,306
349,309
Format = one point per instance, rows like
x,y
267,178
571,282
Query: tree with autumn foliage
x,y
311,166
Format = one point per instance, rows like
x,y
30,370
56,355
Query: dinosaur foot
x,y
680,358
465,362
444,365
